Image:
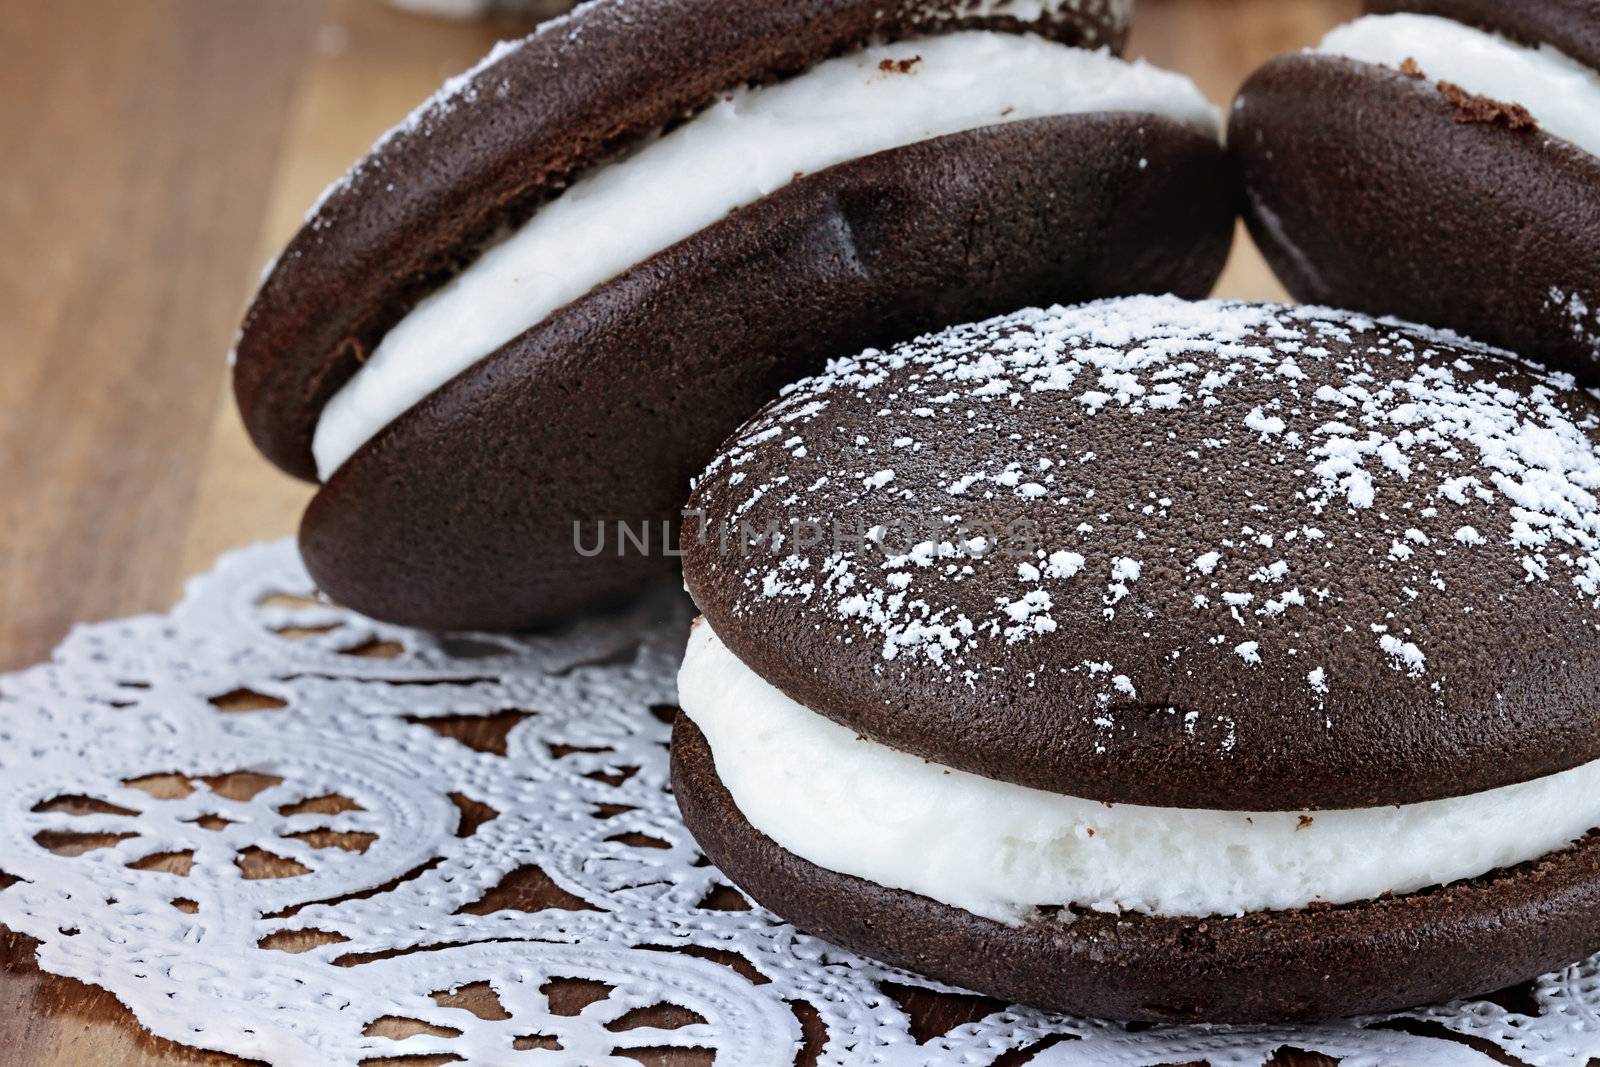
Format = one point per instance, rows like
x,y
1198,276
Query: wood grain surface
x,y
156,153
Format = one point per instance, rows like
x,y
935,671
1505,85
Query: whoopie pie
x,y
506,340
1438,160
1160,660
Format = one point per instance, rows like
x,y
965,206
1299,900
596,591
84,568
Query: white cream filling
x,y
999,850
735,152
1560,93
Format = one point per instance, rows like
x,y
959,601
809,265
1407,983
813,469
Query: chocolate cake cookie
x,y
508,338
1439,161
1162,660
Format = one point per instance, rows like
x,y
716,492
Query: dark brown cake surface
x,y
1459,940
1209,554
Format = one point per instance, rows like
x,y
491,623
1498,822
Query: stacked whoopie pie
x,y
1438,160
1149,658
522,323
1160,660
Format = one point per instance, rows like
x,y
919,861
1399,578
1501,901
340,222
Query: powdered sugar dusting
x,y
1367,465
1582,315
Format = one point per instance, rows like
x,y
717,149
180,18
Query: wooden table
x,y
156,152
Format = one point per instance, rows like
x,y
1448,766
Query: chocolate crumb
x,y
1472,108
1409,68
1305,821
899,66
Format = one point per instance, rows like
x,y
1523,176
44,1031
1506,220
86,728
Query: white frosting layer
x,y
1560,93
739,150
999,850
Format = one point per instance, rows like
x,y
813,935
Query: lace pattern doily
x,y
277,829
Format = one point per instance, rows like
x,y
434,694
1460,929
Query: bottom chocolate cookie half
x,y
1458,940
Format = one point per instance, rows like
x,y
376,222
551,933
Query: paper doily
x,y
281,830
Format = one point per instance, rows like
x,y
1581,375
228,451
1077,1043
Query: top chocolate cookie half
x,y
1190,554
505,136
